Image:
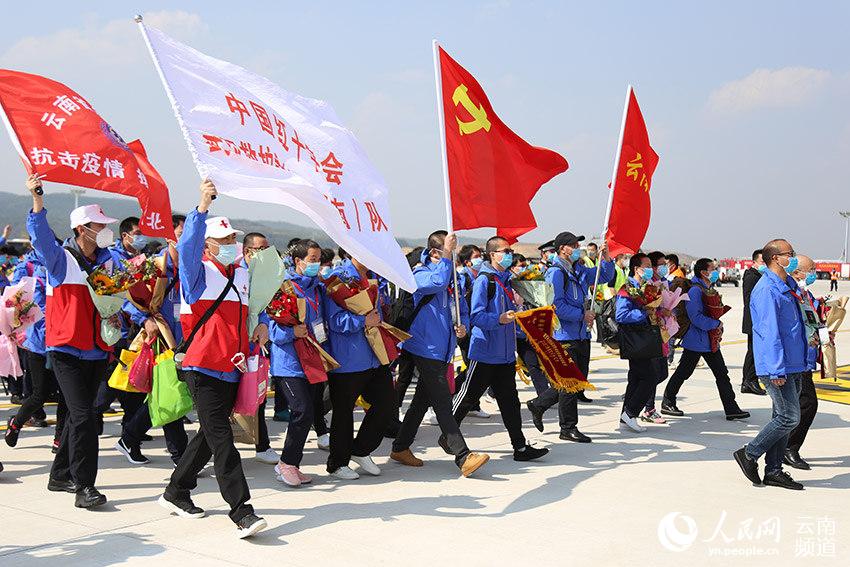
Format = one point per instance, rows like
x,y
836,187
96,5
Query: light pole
x,y
77,192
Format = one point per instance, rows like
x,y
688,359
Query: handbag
x,y
169,398
640,341
252,386
120,378
140,374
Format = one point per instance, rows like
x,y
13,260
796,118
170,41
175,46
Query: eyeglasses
x,y
505,251
790,253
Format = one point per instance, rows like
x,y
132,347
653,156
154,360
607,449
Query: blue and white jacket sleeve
x,y
564,309
190,247
45,245
429,282
628,312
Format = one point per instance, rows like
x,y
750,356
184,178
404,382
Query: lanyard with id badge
x,y
816,332
318,326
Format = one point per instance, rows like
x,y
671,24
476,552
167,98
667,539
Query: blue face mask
x,y
762,268
575,255
476,263
507,260
140,241
550,257
3,259
227,254
663,270
325,272
793,262
647,274
311,270
714,276
811,278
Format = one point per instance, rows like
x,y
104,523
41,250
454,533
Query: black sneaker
x,y
783,480
54,485
529,453
37,422
749,466
444,444
15,400
55,448
133,454
669,408
250,525
536,415
12,433
89,497
183,508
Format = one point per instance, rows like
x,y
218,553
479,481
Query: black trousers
x,y
567,402
642,381
319,409
432,390
78,379
526,353
662,371
750,363
687,365
139,424
833,285
376,386
214,400
299,396
460,377
43,384
502,379
406,372
27,384
130,401
263,441
808,410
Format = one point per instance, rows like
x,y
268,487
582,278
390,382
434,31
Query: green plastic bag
x,y
169,399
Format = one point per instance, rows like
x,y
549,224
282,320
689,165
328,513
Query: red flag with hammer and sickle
x,y
493,173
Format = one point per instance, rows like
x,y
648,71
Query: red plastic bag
x,y
252,386
311,361
450,378
140,374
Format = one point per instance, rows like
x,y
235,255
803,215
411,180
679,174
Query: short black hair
x,y
655,256
518,259
756,253
293,241
466,252
771,249
437,239
128,224
343,255
415,256
673,259
589,244
176,219
250,237
635,262
327,255
301,248
701,265
493,243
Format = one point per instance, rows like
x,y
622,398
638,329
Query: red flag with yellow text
x,y
630,209
59,135
493,173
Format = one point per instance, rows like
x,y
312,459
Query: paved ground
x,y
671,494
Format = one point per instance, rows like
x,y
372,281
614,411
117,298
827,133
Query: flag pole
x,y
613,188
441,119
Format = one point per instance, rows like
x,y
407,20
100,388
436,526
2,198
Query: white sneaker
x,y
345,473
324,442
268,457
367,464
431,417
631,423
479,413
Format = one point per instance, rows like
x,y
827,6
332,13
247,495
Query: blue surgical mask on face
x,y
507,260
647,274
140,241
311,270
663,270
325,272
476,263
714,276
811,278
762,268
793,262
551,256
227,254
3,259
575,255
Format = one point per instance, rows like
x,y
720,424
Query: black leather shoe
x,y
792,458
444,444
749,466
582,397
740,414
89,497
752,387
574,435
54,485
669,408
783,480
536,415
529,453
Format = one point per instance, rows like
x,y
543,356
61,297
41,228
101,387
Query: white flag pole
x,y
613,188
441,119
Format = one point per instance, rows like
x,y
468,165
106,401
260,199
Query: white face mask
x,y
103,239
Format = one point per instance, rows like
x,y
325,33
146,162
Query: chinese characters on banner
x,y
258,142
59,135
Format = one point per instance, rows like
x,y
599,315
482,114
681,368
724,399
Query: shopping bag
x,y
253,385
120,379
169,398
141,371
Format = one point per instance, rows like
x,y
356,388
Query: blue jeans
x,y
773,439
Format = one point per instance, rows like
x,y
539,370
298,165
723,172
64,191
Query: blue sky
x,y
746,102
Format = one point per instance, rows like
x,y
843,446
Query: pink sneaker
x,y
287,474
304,478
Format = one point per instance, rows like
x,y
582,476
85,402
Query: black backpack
x,y
403,312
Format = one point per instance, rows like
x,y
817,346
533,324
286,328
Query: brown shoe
x,y
406,457
473,462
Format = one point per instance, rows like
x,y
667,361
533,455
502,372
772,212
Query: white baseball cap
x,y
220,227
89,213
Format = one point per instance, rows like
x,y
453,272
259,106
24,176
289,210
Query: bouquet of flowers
x,y
120,279
532,273
712,302
361,298
665,314
289,310
17,312
648,295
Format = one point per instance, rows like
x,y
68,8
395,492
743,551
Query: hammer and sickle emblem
x,y
479,115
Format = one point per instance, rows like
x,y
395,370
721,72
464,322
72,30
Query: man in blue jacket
x,y
781,350
434,332
570,279
492,349
696,344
